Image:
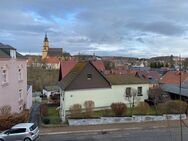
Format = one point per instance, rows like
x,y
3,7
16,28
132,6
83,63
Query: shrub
x,y
89,105
5,110
8,121
172,107
75,111
161,108
46,120
44,110
176,107
142,108
119,108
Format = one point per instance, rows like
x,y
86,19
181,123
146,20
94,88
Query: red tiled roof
x,y
66,67
52,60
172,77
99,65
131,72
153,74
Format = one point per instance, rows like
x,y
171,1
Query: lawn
x,y
110,113
53,115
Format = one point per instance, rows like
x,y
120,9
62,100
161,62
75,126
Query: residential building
x,y
85,82
52,63
153,77
29,102
171,81
13,79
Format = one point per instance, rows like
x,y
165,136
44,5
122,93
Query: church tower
x,y
45,48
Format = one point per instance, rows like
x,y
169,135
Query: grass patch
x,y
110,113
53,115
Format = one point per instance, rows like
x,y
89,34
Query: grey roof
x,y
52,88
3,46
185,83
175,89
5,51
3,54
67,80
55,52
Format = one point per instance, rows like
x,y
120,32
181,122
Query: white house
x,y
50,90
84,82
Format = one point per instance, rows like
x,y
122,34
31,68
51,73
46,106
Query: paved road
x,y
172,134
34,115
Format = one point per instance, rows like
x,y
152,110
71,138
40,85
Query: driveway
x,y
35,114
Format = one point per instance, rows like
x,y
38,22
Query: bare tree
x,y
132,97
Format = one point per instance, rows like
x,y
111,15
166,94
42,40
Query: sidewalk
x,y
109,127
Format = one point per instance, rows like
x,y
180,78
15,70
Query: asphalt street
x,y
35,114
162,134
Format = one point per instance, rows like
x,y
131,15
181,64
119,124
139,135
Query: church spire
x,y
46,38
45,48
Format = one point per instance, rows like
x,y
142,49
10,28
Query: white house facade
x,y
103,98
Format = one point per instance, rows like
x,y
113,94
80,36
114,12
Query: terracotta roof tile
x,y
66,67
99,65
52,60
173,77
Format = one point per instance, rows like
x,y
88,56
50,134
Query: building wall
x,y
29,98
103,97
9,92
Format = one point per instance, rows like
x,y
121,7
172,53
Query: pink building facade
x,y
13,79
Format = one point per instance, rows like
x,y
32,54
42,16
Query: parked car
x,y
21,132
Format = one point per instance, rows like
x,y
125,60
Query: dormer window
x,y
89,76
13,53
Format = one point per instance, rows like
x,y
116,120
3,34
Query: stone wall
x,y
111,120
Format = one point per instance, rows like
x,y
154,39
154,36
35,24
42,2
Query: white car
x,y
21,132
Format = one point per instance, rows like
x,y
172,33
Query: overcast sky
x,y
136,28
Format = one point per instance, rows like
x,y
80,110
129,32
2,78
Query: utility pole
x,y
181,129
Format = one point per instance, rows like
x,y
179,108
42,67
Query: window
x,y
15,131
20,94
139,91
4,75
20,68
128,92
33,127
89,76
13,54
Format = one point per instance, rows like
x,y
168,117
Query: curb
x,y
102,130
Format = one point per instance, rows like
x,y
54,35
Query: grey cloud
x,y
165,28
131,23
